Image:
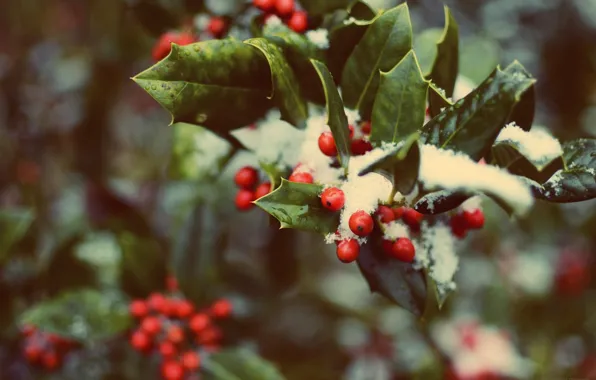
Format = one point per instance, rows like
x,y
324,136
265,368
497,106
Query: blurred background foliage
x,y
97,192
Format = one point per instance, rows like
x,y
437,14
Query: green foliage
x,y
84,315
240,365
14,224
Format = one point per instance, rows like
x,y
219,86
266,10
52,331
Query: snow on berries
x,y
178,331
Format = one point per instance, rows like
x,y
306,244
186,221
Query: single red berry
x,y
284,8
366,127
262,190
185,38
398,212
172,370
458,226
28,330
360,147
403,250
191,360
151,325
474,219
184,309
246,177
140,341
301,177
348,250
298,22
361,223
167,349
244,199
221,309
211,335
351,128
32,353
199,322
157,302
175,334
385,214
138,308
264,5
164,44
412,218
333,199
217,27
171,283
50,360
327,144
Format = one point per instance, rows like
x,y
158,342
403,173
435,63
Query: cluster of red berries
x,y
247,180
172,327
359,146
466,220
296,20
44,349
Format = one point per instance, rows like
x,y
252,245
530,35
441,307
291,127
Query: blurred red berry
x,y
361,223
221,308
211,335
474,219
140,341
244,199
412,218
157,302
32,353
262,190
167,349
175,334
348,250
333,199
199,322
572,274
264,5
360,147
351,129
138,309
50,360
366,127
151,325
184,309
299,23
398,212
458,226
246,177
164,44
172,370
327,144
217,27
301,177
28,330
191,360
284,8
403,250
385,214
171,283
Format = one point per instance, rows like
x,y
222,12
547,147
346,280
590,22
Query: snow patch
x,y
538,145
396,230
319,37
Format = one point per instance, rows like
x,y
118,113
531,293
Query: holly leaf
x,y
580,153
336,116
85,315
506,154
219,84
400,104
446,65
570,185
361,10
396,280
472,124
238,364
14,224
297,205
523,112
400,164
386,41
440,101
425,46
439,202
286,89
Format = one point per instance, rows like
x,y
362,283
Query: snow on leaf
x,y
537,145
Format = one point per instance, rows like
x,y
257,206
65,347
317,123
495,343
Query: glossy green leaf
x,y
506,154
580,152
386,41
274,172
318,7
440,101
286,89
400,104
219,84
396,280
472,124
361,10
425,46
297,205
523,112
336,116
400,164
238,364
441,201
479,55
85,315
14,224
143,266
571,185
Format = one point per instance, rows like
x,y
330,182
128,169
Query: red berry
x,y
361,223
301,177
221,309
327,144
403,250
351,128
348,250
217,27
244,199
360,147
185,38
333,199
164,44
32,353
28,330
385,214
157,302
262,190
167,349
50,360
175,334
474,219
398,212
366,127
299,23
211,335
184,309
191,360
246,177
458,226
151,325
138,308
140,340
264,5
172,370
412,218
171,283
199,322
284,8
